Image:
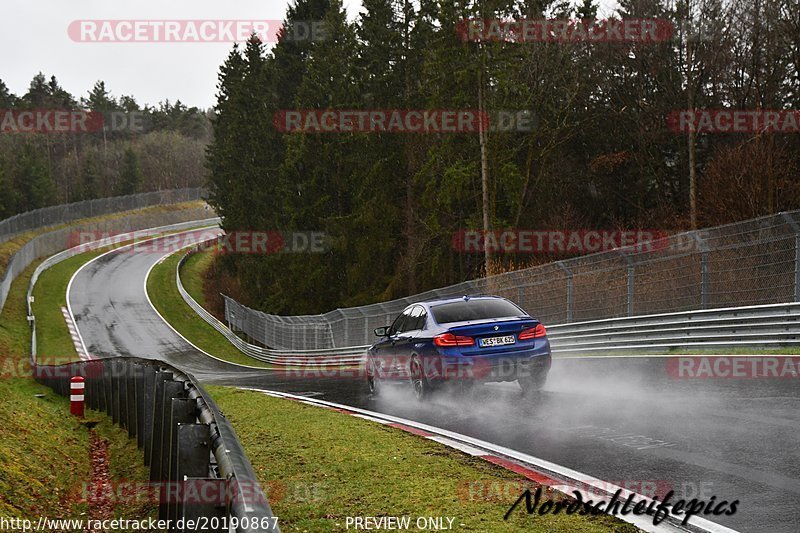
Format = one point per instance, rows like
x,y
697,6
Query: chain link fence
x,y
54,241
747,263
62,214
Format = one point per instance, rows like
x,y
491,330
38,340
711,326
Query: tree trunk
x,y
482,139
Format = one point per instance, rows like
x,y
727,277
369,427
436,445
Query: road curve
x,y
623,420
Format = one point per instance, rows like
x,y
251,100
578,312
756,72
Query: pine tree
x,y
90,173
130,173
7,99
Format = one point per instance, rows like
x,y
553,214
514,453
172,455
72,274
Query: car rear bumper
x,y
494,368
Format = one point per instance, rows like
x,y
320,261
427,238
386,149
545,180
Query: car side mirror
x,y
382,332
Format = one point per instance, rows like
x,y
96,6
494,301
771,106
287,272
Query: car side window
x,y
397,324
412,322
420,317
400,323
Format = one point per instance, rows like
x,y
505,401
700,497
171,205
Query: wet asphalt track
x,y
621,420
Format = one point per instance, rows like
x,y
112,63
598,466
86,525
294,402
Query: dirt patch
x,y
100,490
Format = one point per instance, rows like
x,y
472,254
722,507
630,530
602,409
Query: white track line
x,y
147,275
73,333
566,479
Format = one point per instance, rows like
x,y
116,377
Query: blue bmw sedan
x,y
460,340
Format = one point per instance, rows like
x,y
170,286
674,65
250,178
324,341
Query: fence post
x,y
630,277
796,229
703,270
570,297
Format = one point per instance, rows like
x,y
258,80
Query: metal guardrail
x,y
95,245
56,240
197,465
62,214
750,263
772,325
308,358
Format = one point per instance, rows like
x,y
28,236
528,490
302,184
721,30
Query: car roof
x,y
439,301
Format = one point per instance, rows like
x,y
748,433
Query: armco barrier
x,y
198,469
199,473
743,265
753,326
773,325
352,355
54,241
95,245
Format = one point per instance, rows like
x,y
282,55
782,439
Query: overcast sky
x,y
34,37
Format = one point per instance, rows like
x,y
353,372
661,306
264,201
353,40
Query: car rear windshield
x,y
474,310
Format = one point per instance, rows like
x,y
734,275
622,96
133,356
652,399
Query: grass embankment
x,y
10,247
163,292
320,466
44,452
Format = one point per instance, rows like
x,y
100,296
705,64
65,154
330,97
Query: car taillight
x,y
448,340
532,333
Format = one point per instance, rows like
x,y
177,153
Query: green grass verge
x,y
53,341
192,275
44,455
164,294
320,466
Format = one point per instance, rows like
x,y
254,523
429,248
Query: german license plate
x,y
497,341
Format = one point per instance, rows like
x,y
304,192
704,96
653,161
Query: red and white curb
x,y
73,332
557,477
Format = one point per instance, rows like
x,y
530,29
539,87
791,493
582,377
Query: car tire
x,y
420,385
373,381
532,385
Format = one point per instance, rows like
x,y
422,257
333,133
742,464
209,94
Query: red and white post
x,y
76,388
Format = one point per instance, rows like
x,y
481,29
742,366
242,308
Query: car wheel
x,y
373,381
419,383
531,385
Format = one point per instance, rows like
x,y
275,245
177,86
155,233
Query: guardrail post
x,y
108,391
152,445
181,410
122,383
160,455
87,386
192,459
115,397
204,507
94,379
141,402
133,371
570,302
